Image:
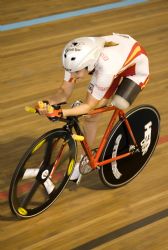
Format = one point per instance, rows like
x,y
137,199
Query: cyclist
x,y
119,68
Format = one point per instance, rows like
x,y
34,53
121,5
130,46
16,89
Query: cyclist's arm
x,y
62,93
84,108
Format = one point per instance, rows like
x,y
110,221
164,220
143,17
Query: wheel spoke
x,y
49,186
48,152
30,173
29,196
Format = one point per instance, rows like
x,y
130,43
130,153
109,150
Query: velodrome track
x,y
91,216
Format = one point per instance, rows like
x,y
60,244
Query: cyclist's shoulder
x,y
119,38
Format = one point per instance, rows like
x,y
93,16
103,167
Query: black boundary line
x,y
122,231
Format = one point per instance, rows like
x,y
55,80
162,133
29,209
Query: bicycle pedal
x,y
78,180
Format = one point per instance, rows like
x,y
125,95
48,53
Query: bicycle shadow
x,y
90,181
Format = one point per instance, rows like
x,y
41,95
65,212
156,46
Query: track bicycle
x,y
44,170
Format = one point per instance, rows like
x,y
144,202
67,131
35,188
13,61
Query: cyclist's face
x,y
79,74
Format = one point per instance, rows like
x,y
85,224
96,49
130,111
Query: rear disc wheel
x,y
145,124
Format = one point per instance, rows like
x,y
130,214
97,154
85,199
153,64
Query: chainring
x,y
84,167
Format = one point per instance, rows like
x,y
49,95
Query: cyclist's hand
x,y
42,107
53,112
57,113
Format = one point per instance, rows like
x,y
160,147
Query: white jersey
x,y
115,61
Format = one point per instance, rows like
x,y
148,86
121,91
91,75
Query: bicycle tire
x,y
119,173
33,189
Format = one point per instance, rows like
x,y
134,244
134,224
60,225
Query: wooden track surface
x,y
91,216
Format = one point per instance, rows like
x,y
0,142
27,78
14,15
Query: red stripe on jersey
x,y
136,50
129,71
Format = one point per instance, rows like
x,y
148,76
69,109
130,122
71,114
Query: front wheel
x,y
42,173
145,124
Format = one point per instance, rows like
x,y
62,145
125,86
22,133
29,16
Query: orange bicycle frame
x,y
94,159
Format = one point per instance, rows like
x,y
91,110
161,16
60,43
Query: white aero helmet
x,y
82,52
